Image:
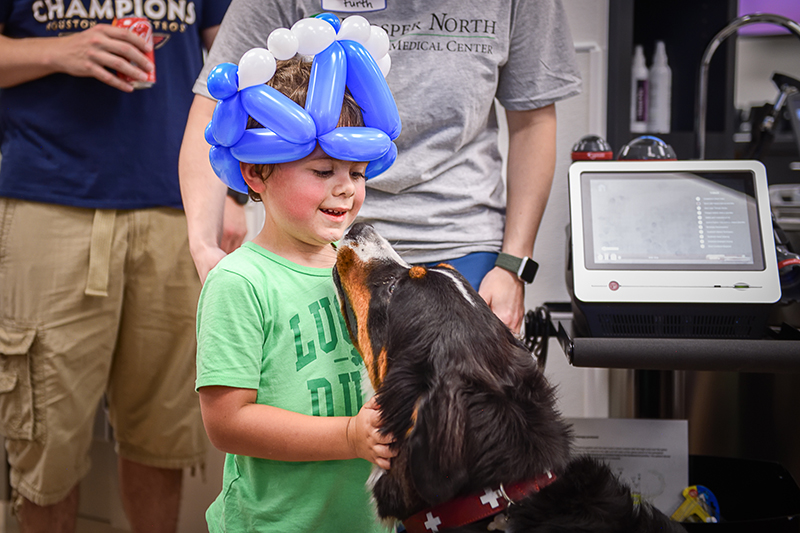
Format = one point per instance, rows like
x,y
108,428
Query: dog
x,y
480,443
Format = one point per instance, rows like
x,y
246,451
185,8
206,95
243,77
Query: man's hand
x,y
206,259
505,294
234,225
90,53
233,234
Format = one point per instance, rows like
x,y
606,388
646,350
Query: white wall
x,y
757,58
582,392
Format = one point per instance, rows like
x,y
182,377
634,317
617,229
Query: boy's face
x,y
315,199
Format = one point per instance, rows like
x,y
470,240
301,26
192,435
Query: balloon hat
x,y
347,53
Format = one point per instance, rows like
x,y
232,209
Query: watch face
x,y
529,271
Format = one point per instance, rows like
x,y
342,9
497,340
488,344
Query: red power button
x,y
613,285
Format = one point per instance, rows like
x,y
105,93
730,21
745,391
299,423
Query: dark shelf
x,y
646,353
686,27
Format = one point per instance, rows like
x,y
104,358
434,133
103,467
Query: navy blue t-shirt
x,y
79,142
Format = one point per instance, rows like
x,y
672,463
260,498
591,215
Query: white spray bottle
x,y
660,85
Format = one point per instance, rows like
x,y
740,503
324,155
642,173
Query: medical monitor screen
x,y
670,221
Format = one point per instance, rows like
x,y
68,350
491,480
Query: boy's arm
x,y
89,53
531,163
236,424
202,192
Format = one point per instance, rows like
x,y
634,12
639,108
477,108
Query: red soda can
x,y
140,26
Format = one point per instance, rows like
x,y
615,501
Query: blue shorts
x,y
472,266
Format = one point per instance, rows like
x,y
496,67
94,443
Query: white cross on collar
x,y
491,497
432,522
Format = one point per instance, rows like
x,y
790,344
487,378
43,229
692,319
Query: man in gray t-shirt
x,y
444,198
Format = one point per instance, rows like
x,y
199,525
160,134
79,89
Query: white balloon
x,y
257,66
354,28
313,35
282,43
378,42
385,64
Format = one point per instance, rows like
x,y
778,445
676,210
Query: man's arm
x,y
208,35
234,222
90,53
529,175
202,192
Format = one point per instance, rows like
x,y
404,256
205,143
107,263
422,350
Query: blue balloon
x,y
276,111
355,144
209,134
368,87
261,146
229,121
378,166
223,81
326,88
227,168
331,19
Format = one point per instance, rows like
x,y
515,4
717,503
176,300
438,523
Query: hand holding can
x,y
139,26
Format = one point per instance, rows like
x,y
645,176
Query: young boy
x,y
279,380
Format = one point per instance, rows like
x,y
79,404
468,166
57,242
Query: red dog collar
x,y
468,509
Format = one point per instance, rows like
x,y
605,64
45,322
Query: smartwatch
x,y
525,268
239,197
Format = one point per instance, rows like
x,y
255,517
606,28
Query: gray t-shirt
x,y
444,197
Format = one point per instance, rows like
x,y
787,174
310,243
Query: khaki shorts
x,y
94,302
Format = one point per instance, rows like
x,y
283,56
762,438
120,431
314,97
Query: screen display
x,y
670,221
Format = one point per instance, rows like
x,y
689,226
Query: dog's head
x,y
456,388
397,313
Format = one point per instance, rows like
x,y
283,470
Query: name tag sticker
x,y
353,6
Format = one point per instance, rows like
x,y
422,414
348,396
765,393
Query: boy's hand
x,y
92,52
365,439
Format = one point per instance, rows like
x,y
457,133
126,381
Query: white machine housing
x,y
672,232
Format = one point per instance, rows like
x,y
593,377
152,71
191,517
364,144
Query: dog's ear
x,y
436,445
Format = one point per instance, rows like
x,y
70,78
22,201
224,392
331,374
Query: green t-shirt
x,y
266,323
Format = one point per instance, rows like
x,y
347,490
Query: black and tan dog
x,y
480,443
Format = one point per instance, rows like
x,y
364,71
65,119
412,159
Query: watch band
x,y
240,197
525,268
